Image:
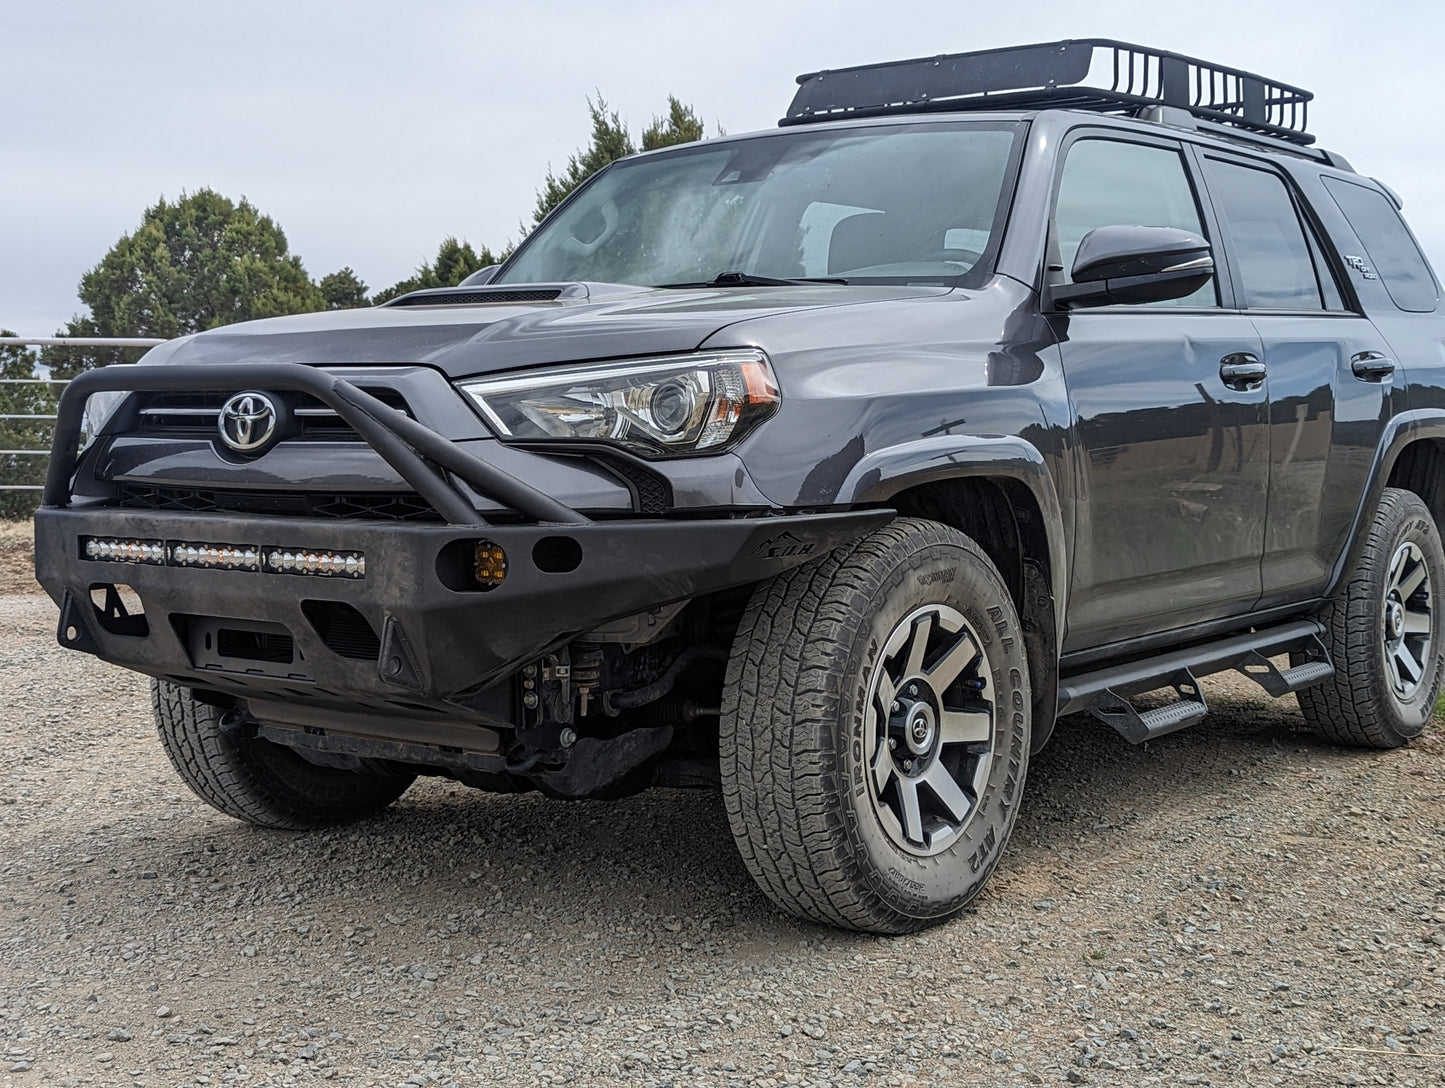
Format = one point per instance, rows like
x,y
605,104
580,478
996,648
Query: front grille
x,y
384,506
478,298
193,415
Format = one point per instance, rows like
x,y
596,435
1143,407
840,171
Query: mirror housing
x,y
480,276
1120,265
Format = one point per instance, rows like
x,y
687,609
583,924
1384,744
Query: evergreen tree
x,y
193,264
680,126
454,262
610,141
343,290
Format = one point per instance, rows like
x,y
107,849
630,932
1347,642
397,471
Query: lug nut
x,y
895,707
567,737
912,689
892,743
530,700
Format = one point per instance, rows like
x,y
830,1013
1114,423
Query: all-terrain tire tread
x,y
233,776
780,784
1350,708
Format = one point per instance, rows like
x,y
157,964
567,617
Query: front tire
x,y
875,730
254,780
1385,634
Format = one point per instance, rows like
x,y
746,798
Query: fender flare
x,y
1401,431
880,475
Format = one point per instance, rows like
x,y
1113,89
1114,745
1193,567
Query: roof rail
x,y
1050,76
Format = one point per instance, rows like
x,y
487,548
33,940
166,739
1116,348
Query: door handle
x,y
1241,370
1371,366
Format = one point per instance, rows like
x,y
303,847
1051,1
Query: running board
x,y
1107,693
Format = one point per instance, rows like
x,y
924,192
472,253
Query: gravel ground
x,y
1234,904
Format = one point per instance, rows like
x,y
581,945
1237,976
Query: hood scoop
x,y
480,296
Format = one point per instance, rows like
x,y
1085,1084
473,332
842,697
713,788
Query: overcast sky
x,y
372,130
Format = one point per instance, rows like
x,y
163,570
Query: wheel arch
x,y
997,492
1411,456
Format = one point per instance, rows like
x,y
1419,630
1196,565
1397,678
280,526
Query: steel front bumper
x,y
437,646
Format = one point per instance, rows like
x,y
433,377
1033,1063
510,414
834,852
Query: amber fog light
x,y
490,566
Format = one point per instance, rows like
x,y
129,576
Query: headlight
x,y
664,407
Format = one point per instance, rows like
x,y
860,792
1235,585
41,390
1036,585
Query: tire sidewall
x,y
1408,717
933,886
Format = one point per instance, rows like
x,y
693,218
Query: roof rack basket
x,y
1127,78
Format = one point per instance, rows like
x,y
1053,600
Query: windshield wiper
x,y
747,279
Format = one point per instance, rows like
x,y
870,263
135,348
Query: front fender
x,y
880,475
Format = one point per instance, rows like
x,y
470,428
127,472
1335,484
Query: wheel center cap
x,y
1394,620
920,727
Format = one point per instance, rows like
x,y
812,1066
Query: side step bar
x,y
1107,693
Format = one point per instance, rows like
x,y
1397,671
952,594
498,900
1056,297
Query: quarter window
x,y
1388,245
1109,183
1271,252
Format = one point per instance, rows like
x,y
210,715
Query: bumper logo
x,y
248,422
783,546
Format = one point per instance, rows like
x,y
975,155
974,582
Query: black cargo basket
x,y
1125,79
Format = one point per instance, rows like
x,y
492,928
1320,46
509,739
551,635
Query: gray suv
x,y
827,467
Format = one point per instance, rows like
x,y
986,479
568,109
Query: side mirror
x,y
1122,265
480,276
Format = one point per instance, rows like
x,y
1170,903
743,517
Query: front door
x,y
1171,419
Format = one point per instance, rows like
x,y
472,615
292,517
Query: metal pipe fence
x,y
43,417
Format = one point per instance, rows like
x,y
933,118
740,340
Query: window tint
x,y
1108,183
1388,245
1270,250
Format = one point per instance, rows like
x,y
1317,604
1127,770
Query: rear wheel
x,y
254,780
875,730
1385,634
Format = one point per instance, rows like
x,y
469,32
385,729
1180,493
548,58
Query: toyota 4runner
x,y
827,466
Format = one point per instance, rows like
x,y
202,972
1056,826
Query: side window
x,y
1388,245
1276,269
1111,183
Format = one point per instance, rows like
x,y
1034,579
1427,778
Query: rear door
x,y
1172,450
1329,371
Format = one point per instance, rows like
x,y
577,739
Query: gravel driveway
x,y
1235,904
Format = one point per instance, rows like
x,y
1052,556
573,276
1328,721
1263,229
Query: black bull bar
x,y
451,642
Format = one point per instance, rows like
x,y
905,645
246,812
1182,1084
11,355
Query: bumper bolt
x,y
567,737
530,700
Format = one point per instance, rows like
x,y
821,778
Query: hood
x,y
591,321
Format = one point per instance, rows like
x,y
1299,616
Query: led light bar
x,y
269,559
219,556
125,551
345,564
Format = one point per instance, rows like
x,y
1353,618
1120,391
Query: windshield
x,y
919,203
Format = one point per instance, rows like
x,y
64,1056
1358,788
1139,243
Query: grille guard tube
x,y
404,443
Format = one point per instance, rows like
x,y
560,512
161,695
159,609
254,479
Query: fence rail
x,y
54,341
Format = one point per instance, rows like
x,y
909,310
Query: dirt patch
x,y
1234,904
17,557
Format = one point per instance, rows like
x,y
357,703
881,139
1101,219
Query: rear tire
x,y
254,780
875,730
1384,634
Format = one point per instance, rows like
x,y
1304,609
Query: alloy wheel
x,y
930,728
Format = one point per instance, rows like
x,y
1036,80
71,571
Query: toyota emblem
x,y
248,422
